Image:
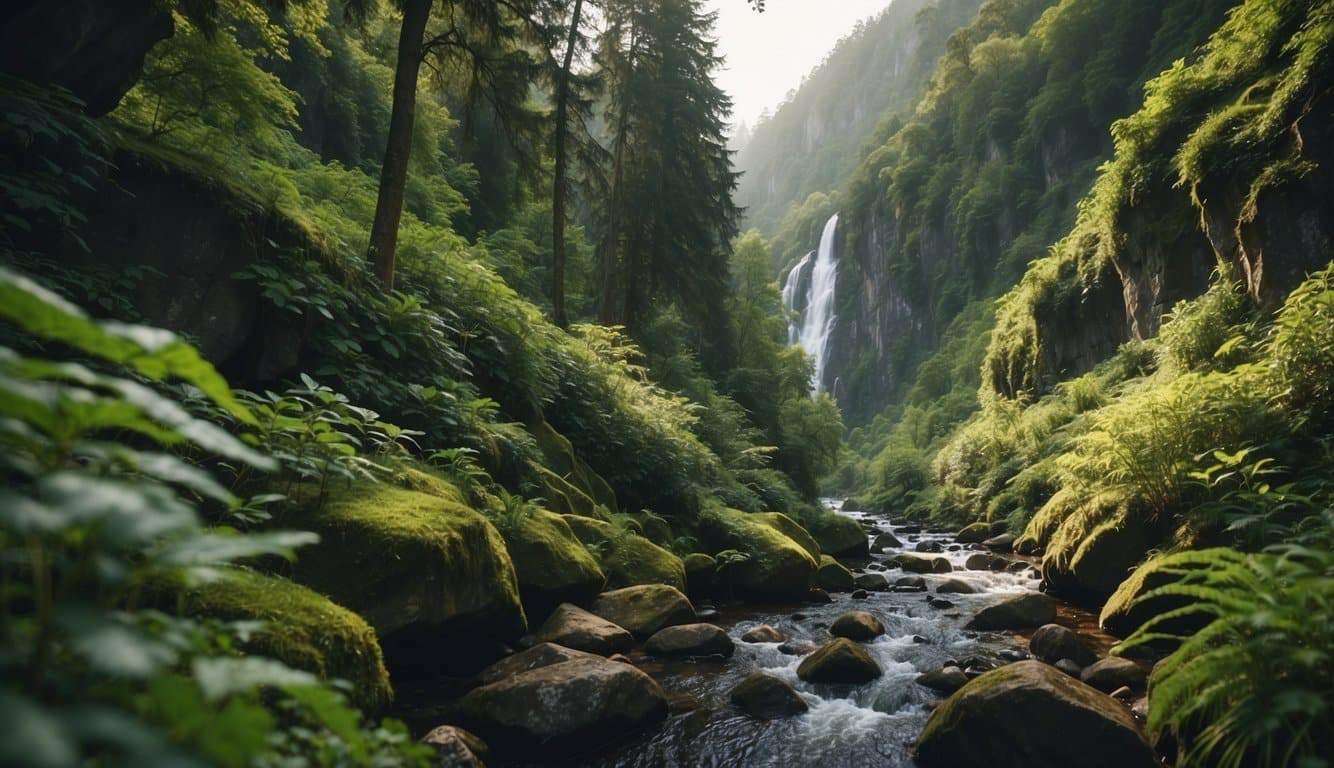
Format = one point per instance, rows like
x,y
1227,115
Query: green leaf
x,y
219,678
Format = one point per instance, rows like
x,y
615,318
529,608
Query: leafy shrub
x,y
1301,348
1193,334
1252,687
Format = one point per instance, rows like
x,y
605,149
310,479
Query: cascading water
x,y
814,304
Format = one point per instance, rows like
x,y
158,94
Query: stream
x,y
871,724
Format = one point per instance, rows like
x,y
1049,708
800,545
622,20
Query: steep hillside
x,y
985,175
815,138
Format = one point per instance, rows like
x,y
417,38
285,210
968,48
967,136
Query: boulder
x,y
1019,612
762,634
928,545
859,594
402,558
1001,543
939,603
654,528
914,564
573,627
872,582
540,655
1053,642
857,625
1114,672
885,541
979,562
1092,562
839,536
946,680
777,566
796,647
627,558
941,565
791,529
690,640
1123,612
832,576
1025,715
955,586
552,565
817,595
910,584
456,748
973,534
839,661
644,609
1069,666
558,711
701,573
767,697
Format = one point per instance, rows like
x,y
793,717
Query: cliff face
x,y
987,174
813,140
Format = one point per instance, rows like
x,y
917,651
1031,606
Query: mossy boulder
x,y
690,640
563,496
767,697
558,455
1005,719
776,566
857,625
626,557
701,573
832,576
838,535
791,529
403,558
1018,612
540,655
839,661
654,528
1123,613
973,534
300,628
644,610
572,627
1094,551
552,564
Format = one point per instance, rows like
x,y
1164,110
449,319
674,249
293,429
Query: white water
x,y
811,330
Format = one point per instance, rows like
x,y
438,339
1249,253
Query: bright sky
x,y
768,53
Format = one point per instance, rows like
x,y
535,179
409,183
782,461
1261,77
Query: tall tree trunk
x,y
607,307
558,183
394,171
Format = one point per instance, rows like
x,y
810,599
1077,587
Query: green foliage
x,y
1193,334
1251,688
1300,349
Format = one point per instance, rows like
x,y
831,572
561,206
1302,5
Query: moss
x,y
1094,549
563,497
777,565
832,576
791,529
1122,615
552,564
560,458
654,528
626,557
401,557
301,628
1049,518
838,535
701,573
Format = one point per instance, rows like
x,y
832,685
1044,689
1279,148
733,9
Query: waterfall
x,y
812,297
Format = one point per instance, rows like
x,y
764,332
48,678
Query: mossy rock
x,y
301,628
407,558
559,457
838,535
777,565
552,564
627,558
701,573
1048,519
654,528
1121,615
975,533
564,497
1095,549
832,576
793,530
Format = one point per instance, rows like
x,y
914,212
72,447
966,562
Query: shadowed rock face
x,y
996,720
94,48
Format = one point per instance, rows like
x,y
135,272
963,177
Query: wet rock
x,y
910,528
540,655
573,627
558,711
767,697
927,546
860,594
1069,666
954,547
914,564
796,647
974,534
1124,695
941,565
1053,642
456,748
1001,543
1114,672
1013,654
978,562
1018,612
1025,715
839,536
918,639
777,567
940,603
876,567
1018,566
839,661
885,541
857,625
946,680
762,634
832,576
620,658
872,582
910,584
690,640
644,609
817,595
955,586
